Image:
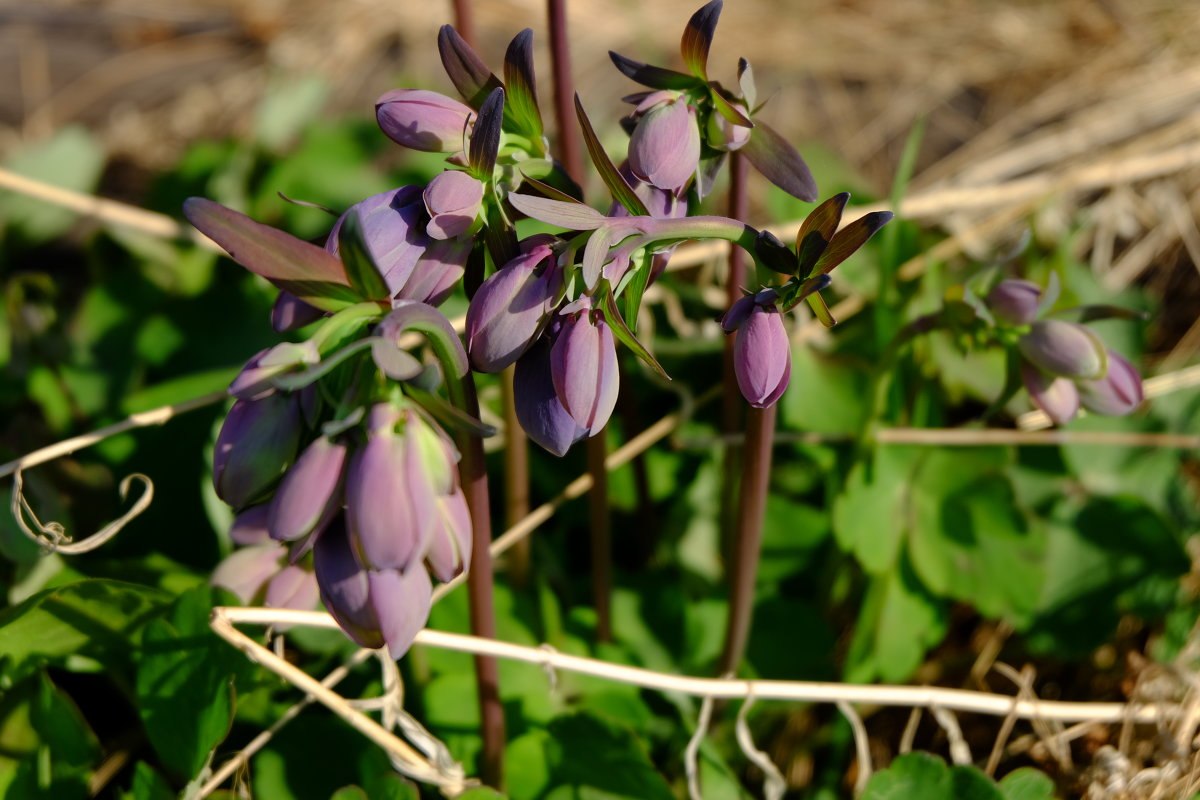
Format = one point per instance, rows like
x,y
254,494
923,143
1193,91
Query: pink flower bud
x,y
665,146
244,572
583,365
423,120
510,309
1063,348
1056,396
345,590
538,408
257,442
450,546
1015,302
453,200
1118,393
762,357
311,492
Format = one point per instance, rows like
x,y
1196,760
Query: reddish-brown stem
x,y
752,504
571,156
516,479
473,471
464,21
601,534
731,398
568,150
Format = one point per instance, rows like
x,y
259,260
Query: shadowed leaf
x,y
746,83
779,162
470,76
573,215
520,83
654,77
551,192
727,109
296,266
818,230
850,238
817,303
485,141
360,265
608,171
774,253
805,289
698,36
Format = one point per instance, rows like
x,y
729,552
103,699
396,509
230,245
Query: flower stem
x,y
464,21
752,503
569,151
731,399
516,478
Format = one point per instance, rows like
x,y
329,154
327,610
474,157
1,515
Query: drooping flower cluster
x,y
1064,365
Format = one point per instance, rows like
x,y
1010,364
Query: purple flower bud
x,y
250,527
1063,348
538,408
256,444
583,365
665,146
244,572
1118,393
437,272
393,225
401,601
1056,396
762,357
453,199
738,313
389,503
311,492
254,380
290,313
450,546
1014,302
423,120
293,587
438,455
510,309
345,590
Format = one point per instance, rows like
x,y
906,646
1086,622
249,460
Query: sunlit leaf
x,y
574,215
616,184
520,83
654,77
620,330
850,238
698,36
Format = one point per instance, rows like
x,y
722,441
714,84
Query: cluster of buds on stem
x,y
1063,364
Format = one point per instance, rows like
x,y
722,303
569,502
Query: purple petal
x,y
401,601
257,442
424,120
344,587
1063,348
509,309
294,587
453,199
310,493
664,149
583,364
1014,302
762,357
250,526
290,313
1118,393
388,503
243,572
1057,396
538,408
450,548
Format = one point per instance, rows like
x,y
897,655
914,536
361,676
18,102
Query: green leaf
x,y
1027,783
654,77
184,684
362,271
869,516
60,725
818,229
292,264
593,757
833,396
149,785
96,619
470,76
921,776
620,330
616,184
349,793
288,105
72,159
698,36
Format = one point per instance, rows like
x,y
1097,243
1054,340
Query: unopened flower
x,y
292,587
450,545
1118,393
424,120
1015,302
511,307
290,313
255,378
389,502
1066,349
311,492
257,443
1057,396
762,358
538,408
453,199
245,571
722,134
664,148
583,365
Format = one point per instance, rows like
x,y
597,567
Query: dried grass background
x,y
1012,90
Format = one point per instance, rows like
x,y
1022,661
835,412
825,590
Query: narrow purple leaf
x,y
616,184
654,77
774,253
485,140
470,76
850,238
574,216
779,162
303,269
817,231
697,38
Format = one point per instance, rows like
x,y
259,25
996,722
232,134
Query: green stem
x,y
752,504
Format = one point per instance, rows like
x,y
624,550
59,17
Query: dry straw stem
x,y
929,697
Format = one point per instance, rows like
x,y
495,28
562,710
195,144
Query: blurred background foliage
x,y
881,562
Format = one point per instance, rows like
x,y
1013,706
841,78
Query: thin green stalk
x,y
752,504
